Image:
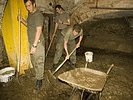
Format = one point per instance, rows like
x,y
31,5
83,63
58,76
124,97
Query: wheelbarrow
x,y
86,79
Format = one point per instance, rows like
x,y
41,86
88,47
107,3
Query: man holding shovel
x,y
67,41
62,20
34,23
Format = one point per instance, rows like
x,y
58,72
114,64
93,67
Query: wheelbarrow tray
x,y
85,78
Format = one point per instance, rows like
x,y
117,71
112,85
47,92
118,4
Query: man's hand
x,y
23,21
77,45
32,50
67,56
19,18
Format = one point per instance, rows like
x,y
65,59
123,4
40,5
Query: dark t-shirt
x,y
63,17
67,33
34,19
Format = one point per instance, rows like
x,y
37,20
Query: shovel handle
x,y
59,66
19,34
72,52
63,61
50,44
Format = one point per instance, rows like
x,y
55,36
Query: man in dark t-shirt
x,y
67,41
34,25
62,19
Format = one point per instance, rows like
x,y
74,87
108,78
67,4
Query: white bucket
x,y
6,73
89,56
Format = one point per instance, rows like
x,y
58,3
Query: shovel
x,y
50,44
51,75
63,61
19,49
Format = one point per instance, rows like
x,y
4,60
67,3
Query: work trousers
x,y
38,60
60,47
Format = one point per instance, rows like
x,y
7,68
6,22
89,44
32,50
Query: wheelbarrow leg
x,y
75,94
82,94
74,90
95,96
89,97
98,95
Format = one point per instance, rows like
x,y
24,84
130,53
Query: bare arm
x,y
37,35
80,39
65,47
36,40
23,22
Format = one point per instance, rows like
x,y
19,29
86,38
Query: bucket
x,y
89,56
6,73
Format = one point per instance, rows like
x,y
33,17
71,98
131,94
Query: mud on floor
x,y
119,85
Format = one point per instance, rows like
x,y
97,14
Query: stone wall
x,y
82,11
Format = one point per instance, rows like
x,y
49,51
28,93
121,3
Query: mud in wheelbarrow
x,y
86,79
